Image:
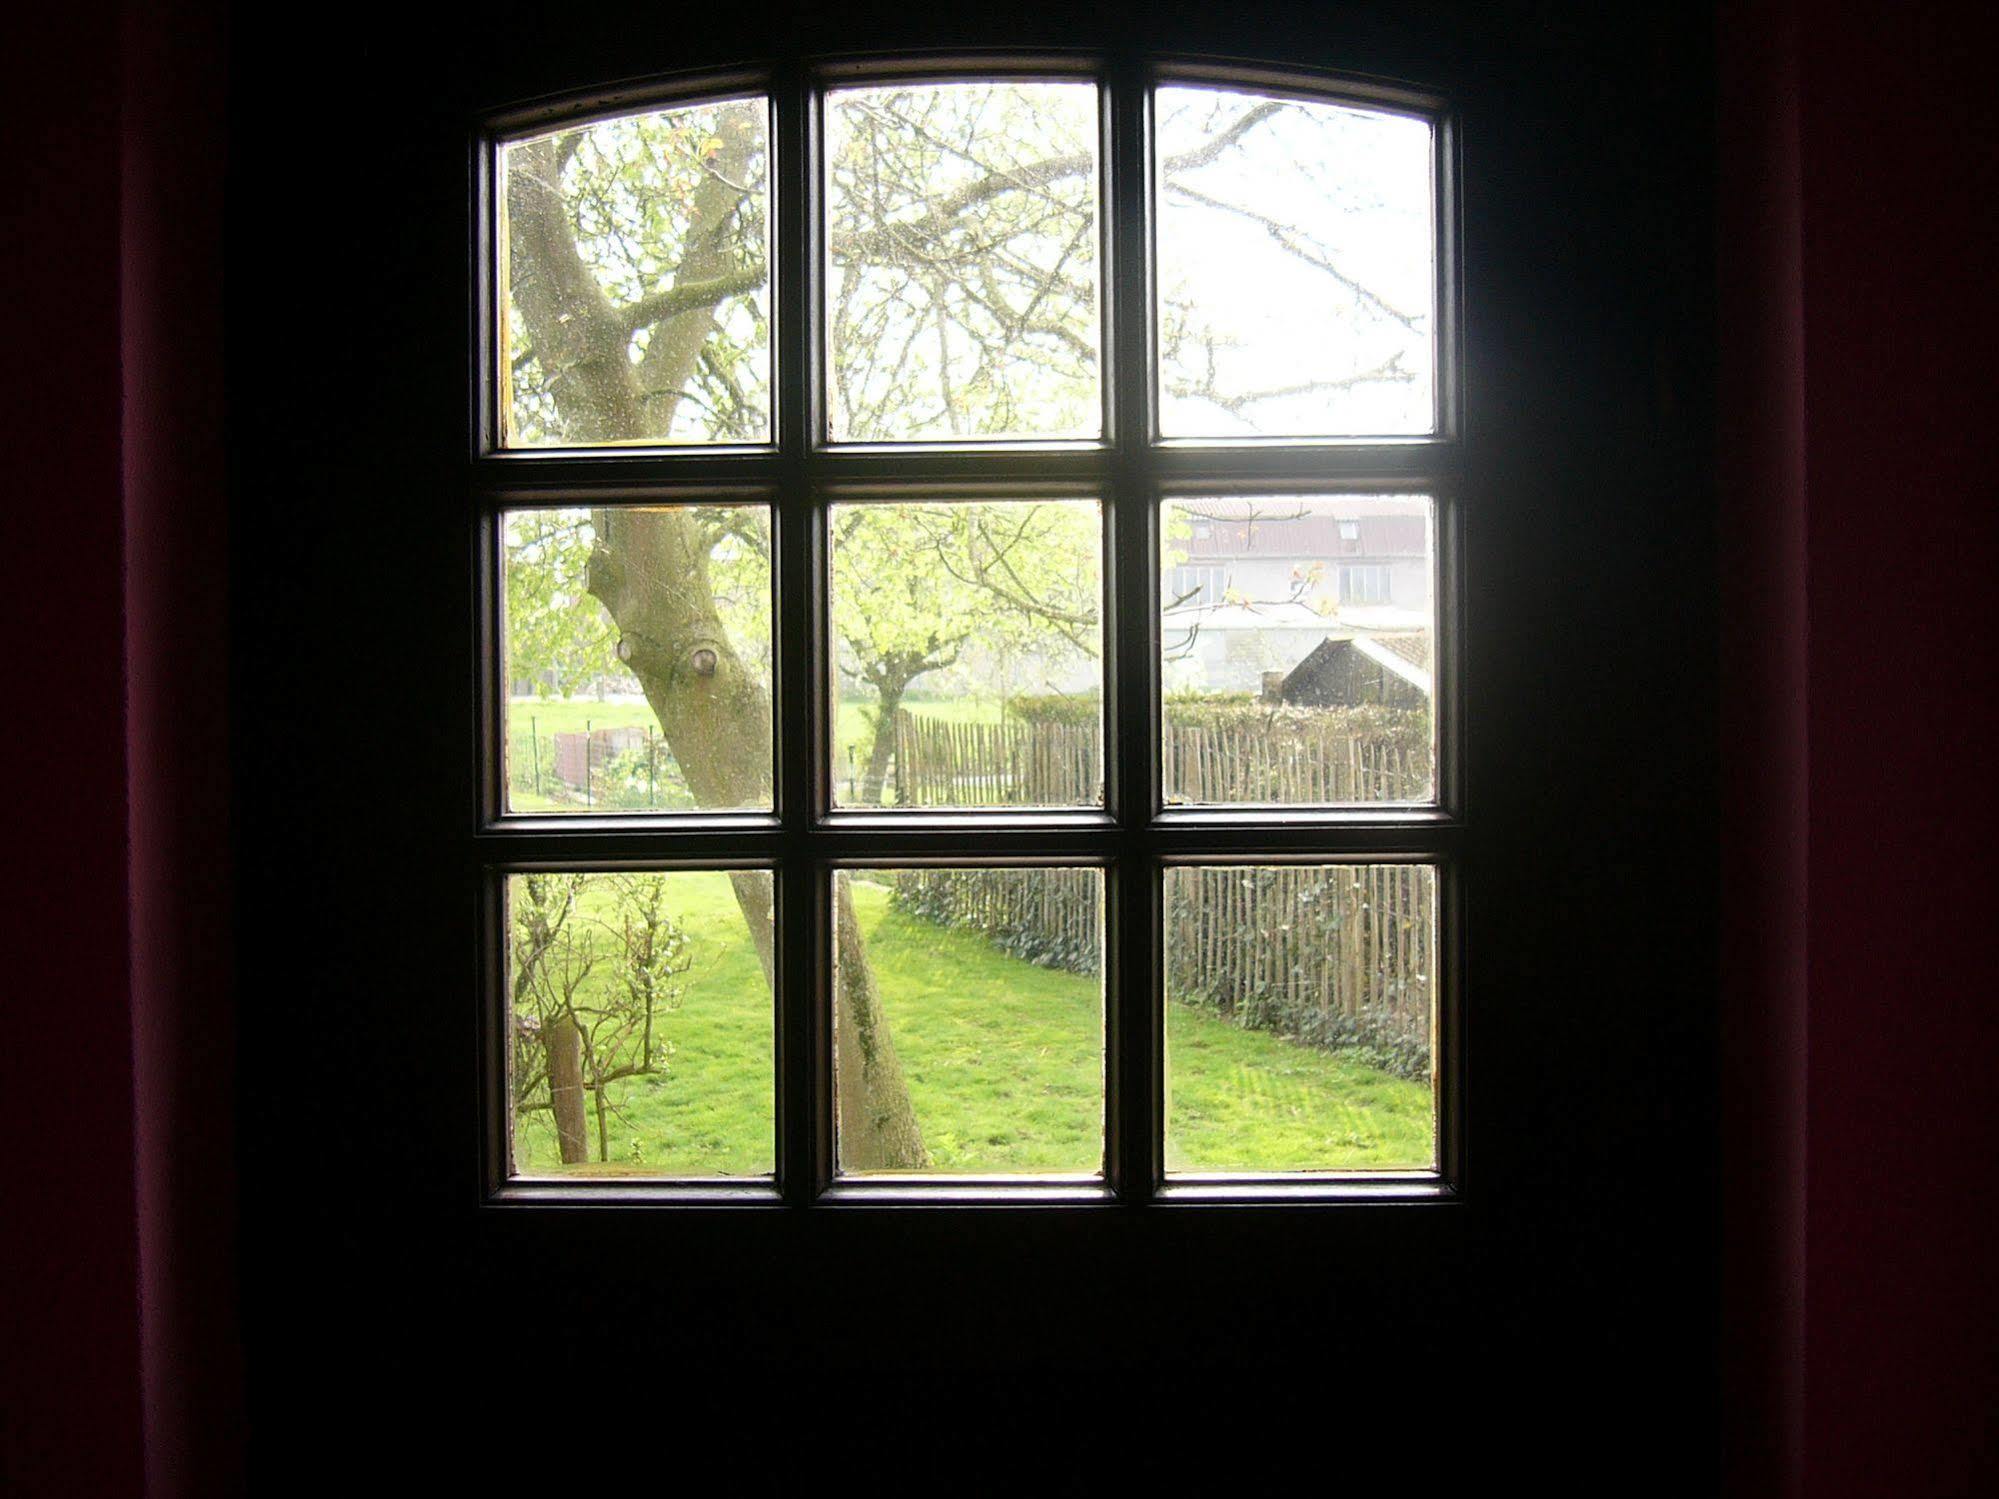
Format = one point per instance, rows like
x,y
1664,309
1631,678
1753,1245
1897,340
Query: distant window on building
x,y
1364,585
1196,587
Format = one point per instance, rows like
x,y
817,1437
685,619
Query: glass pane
x,y
962,278
1296,646
640,1011
968,661
1301,1018
969,1020
1297,254
638,659
635,270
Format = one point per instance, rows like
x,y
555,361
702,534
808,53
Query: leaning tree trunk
x,y
650,570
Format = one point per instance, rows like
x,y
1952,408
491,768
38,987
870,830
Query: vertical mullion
x,y
796,692
1133,971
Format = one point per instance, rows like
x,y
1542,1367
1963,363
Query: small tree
x,y
915,585
572,1035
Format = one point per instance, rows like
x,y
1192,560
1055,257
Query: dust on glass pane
x,y
640,1024
1297,649
1301,1018
967,654
968,1013
962,262
635,266
1296,251
638,665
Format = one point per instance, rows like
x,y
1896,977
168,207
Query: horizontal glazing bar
x,y
1424,462
965,838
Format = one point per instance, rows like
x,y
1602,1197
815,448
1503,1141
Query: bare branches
x,y
1288,238
1212,148
597,960
1208,388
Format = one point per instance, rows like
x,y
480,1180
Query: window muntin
x,y
1133,825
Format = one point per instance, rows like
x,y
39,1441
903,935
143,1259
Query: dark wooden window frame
x,y
1132,471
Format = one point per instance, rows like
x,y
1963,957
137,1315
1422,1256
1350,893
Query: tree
x,y
963,302
915,585
574,1036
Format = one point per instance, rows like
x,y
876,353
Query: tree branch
x,y
688,296
1285,237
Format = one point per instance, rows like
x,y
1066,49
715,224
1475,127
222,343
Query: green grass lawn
x,y
1004,1065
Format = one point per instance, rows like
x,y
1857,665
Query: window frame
x,y
1132,472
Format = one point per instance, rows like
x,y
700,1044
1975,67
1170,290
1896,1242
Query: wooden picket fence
x,y
1289,765
940,764
1053,917
1332,955
1299,762
1336,955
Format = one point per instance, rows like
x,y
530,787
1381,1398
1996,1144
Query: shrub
x,y
1081,709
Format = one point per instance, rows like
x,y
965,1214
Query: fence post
x,y
589,779
534,742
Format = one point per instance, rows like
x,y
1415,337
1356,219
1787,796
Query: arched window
x,y
969,635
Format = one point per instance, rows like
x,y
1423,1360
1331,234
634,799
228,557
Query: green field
x,y
1003,1061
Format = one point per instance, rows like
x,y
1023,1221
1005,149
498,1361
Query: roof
x,y
1379,652
1279,527
1412,645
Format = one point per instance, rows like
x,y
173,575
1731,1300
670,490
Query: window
x,y
1198,586
927,746
1364,584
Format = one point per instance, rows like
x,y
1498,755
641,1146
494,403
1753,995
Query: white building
x,y
1255,584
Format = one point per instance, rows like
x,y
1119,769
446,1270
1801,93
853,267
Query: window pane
x,y
1300,1018
967,654
962,277
635,265
1297,649
969,1020
1297,253
638,659
641,1031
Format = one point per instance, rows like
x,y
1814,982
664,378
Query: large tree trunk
x,y
650,570
878,1130
877,1125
